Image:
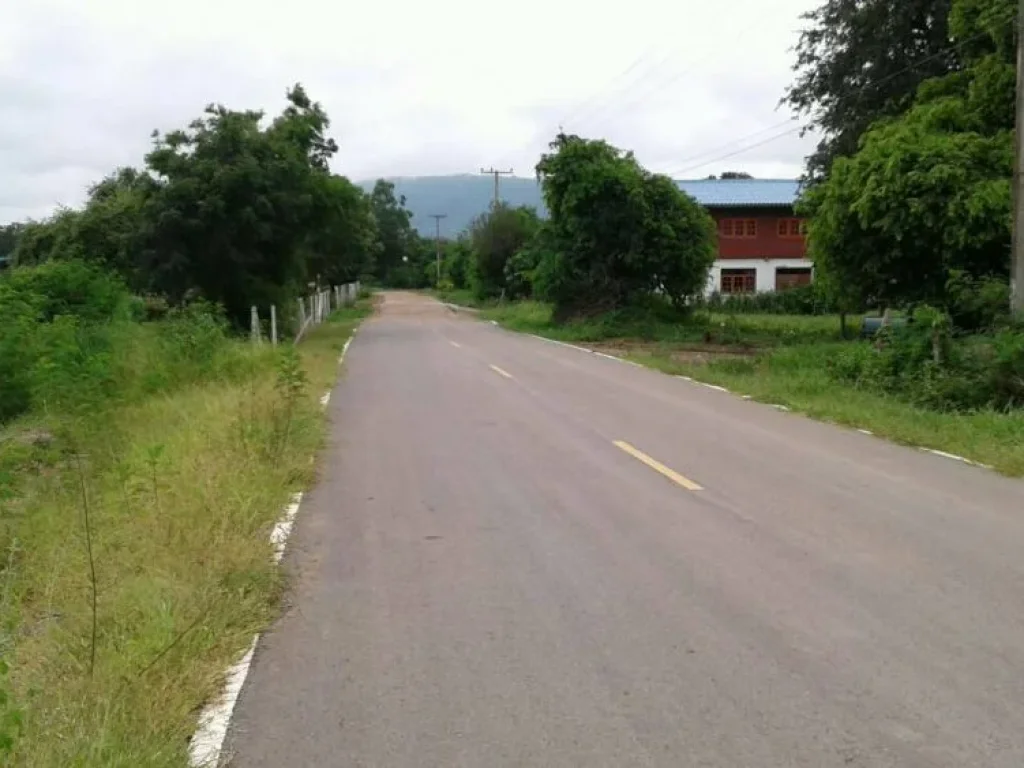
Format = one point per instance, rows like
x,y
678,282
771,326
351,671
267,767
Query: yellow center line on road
x,y
657,466
500,372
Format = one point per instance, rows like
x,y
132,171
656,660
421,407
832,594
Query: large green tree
x,y
496,236
396,238
231,209
617,232
859,61
927,195
236,202
343,244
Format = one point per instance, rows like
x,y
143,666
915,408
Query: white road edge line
x,y
501,372
207,742
561,343
954,457
617,359
776,406
206,745
344,350
283,527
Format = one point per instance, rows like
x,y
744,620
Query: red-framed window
x,y
791,277
792,228
737,227
739,280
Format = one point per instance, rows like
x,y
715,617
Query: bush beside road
x,y
134,526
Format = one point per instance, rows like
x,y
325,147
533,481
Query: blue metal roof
x,y
723,193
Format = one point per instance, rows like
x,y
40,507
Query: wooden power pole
x,y
1017,256
437,224
498,174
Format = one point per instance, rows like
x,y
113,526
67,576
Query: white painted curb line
x,y
207,742
561,343
954,457
776,406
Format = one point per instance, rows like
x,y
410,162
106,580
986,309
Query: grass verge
x,y
783,359
662,324
158,517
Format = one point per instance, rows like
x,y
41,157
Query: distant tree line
x,y
235,210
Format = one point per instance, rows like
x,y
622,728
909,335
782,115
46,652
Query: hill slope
x,y
462,197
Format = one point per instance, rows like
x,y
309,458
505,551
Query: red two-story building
x,y
761,244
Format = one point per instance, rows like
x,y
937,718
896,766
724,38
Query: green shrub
x,y
802,300
977,303
71,342
928,366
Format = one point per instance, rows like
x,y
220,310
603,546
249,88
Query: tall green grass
x,y
137,493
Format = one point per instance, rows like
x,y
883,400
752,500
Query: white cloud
x,y
412,88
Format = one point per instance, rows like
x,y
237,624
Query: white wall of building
x,y
765,271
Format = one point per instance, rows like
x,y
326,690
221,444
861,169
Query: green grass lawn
x,y
180,492
662,326
781,359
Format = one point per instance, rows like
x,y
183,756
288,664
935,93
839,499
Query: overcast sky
x,y
412,88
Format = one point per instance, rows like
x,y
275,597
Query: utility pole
x,y
498,174
437,223
1017,256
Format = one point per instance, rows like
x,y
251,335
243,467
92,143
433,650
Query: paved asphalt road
x,y
506,564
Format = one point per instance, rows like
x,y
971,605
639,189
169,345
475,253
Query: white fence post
x,y
254,325
273,324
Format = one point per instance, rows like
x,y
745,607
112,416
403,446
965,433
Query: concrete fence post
x,y
254,325
273,324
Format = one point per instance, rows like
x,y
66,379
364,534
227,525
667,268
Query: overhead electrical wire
x,y
796,129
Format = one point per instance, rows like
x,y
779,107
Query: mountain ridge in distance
x,y
462,197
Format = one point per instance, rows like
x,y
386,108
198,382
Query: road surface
x,y
521,554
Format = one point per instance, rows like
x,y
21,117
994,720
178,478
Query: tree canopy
x,y
618,232
927,195
860,61
496,236
233,208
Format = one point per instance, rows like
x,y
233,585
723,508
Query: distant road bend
x,y
520,554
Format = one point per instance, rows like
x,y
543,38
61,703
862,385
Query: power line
x,y
862,90
497,175
740,151
601,110
732,142
686,70
588,103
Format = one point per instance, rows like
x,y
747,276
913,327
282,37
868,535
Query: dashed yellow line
x,y
657,466
501,372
